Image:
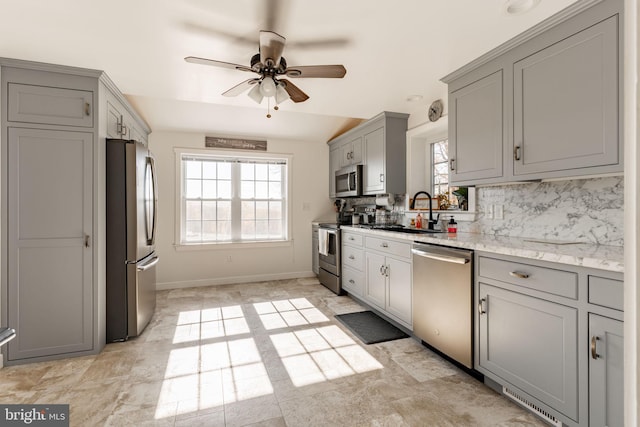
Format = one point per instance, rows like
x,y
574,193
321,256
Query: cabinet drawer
x,y
353,257
353,281
352,239
390,247
556,282
50,105
606,292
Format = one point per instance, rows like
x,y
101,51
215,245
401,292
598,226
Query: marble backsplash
x,y
585,210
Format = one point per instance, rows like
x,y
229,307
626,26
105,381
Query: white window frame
x,y
179,244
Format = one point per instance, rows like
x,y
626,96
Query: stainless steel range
x,y
330,260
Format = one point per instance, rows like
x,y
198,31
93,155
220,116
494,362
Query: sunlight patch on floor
x,y
210,323
285,313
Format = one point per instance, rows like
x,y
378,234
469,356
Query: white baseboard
x,y
232,280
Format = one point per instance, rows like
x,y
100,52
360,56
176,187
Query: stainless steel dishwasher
x,y
442,300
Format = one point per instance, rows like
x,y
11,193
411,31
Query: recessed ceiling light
x,y
518,7
414,98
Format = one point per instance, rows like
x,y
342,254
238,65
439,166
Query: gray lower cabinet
x,y
606,373
532,344
353,277
50,272
476,130
552,335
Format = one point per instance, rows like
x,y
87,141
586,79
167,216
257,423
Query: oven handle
x,y
331,231
438,257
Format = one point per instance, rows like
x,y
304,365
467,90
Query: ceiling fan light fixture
x,y
268,87
281,94
256,94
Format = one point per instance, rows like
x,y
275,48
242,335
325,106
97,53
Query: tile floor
x,y
260,354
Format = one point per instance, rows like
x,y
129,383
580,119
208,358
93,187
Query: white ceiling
x,y
393,49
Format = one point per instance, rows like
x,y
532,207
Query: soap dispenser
x,y
452,227
419,220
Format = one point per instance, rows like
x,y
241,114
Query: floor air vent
x,y
531,406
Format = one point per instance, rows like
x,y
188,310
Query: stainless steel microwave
x,y
349,181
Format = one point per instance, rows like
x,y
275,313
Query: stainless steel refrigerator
x,y
131,231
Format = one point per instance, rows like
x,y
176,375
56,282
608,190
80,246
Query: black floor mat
x,y
370,327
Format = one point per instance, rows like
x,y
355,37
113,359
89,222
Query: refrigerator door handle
x,y
147,265
151,217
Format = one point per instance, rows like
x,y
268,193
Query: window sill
x,y
231,245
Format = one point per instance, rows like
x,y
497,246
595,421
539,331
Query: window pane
x,y
224,230
209,170
193,231
275,173
193,169
224,170
441,168
224,211
224,189
248,210
208,189
193,212
246,171
261,172
275,228
248,229
275,190
441,179
261,190
209,230
247,190
193,189
262,229
275,210
440,152
262,210
208,210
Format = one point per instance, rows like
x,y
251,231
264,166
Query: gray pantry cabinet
x,y
380,145
548,332
544,105
53,289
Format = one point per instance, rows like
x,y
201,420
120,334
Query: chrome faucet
x,y
431,223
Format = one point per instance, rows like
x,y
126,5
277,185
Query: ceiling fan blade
x,y
214,63
319,44
323,71
271,47
294,91
240,87
203,30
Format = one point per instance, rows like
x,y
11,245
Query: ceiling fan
x,y
271,66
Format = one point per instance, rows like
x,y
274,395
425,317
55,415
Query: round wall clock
x,y
435,110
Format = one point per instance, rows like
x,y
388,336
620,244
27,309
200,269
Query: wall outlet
x,y
228,259
489,212
498,211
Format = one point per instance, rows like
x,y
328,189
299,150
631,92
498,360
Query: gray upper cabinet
x,y
546,104
566,104
606,373
380,145
476,130
49,105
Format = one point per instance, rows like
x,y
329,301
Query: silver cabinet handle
x,y
87,240
481,309
516,153
381,177
351,238
594,351
386,270
352,281
352,257
382,270
451,164
518,275
149,264
87,109
384,245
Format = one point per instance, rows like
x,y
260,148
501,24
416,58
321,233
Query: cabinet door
x,y
532,344
375,289
50,105
374,162
114,122
476,130
566,103
335,158
606,374
399,301
353,281
50,291
315,255
352,152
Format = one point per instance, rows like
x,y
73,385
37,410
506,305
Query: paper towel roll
x,y
385,200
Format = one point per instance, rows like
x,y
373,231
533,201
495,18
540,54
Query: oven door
x,y
331,261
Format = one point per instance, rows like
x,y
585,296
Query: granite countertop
x,y
590,255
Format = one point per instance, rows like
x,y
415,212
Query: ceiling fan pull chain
x,y
268,108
